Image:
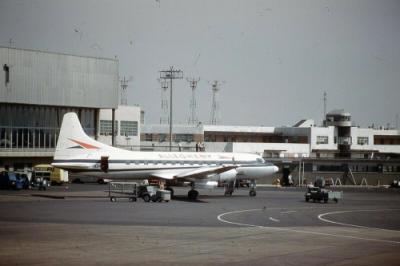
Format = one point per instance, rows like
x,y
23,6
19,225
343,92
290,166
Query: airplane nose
x,y
276,168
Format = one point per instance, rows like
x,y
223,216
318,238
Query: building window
x,y
322,139
162,137
184,137
106,127
129,128
362,140
6,69
148,137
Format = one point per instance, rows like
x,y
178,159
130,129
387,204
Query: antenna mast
x,y
214,119
164,117
124,94
193,120
170,75
325,100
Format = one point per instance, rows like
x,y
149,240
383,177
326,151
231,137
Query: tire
x,y
193,194
146,197
154,198
252,193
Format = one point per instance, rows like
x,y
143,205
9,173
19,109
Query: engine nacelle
x,y
206,184
229,175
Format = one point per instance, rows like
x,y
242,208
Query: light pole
x,y
171,74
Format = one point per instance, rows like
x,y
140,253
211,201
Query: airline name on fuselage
x,y
189,156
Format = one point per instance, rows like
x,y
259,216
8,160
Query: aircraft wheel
x,y
193,194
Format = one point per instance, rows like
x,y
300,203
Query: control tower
x,y
342,121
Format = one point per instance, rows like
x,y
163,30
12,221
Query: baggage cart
x,y
335,195
118,190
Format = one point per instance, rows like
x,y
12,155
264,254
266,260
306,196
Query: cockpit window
x,y
260,160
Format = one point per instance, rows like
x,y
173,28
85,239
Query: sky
x,y
276,58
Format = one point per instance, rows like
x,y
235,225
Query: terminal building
x,y
338,149
338,138
37,88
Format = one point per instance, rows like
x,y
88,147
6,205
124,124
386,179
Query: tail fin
x,y
72,140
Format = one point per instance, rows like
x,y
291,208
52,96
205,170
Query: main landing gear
x,y
253,185
193,194
229,188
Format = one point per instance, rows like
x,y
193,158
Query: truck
x,y
52,174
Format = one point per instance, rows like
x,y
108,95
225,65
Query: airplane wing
x,y
163,175
199,173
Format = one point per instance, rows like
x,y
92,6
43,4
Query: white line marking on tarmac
x,y
221,219
288,212
354,225
274,220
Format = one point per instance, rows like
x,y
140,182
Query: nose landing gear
x,y
253,185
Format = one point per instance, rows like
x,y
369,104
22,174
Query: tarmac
x,y
78,225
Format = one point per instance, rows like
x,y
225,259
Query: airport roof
x,y
341,112
241,129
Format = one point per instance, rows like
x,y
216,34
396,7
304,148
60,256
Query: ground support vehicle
x,y
40,182
122,190
53,175
132,191
335,195
320,194
152,193
163,195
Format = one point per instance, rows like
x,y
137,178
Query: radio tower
x,y
214,120
124,86
193,120
164,117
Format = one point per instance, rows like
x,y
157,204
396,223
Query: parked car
x,y
24,180
10,180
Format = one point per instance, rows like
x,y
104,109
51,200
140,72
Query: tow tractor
x,y
316,194
320,194
152,193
